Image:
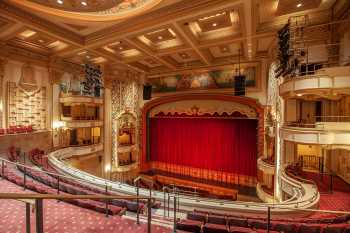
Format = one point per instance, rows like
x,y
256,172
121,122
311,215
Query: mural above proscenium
x,y
216,79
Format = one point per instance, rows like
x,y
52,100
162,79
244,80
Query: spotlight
x,y
84,3
214,24
299,5
60,2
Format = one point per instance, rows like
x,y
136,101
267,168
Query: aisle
x,y
64,218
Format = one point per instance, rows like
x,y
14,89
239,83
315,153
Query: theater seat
x,y
256,224
215,228
215,219
310,228
238,222
284,227
335,228
189,225
197,217
234,229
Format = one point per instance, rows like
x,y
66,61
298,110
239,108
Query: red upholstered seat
x,y
197,217
284,227
217,219
310,228
240,230
215,228
265,231
256,224
189,225
335,228
239,222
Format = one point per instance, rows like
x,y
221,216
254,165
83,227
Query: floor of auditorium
x,y
62,217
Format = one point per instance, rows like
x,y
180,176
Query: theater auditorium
x,y
164,116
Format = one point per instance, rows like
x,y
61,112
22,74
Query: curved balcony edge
x,y
266,167
264,196
315,136
83,123
299,191
81,99
328,78
79,150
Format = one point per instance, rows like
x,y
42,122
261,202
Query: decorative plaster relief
x,y
200,107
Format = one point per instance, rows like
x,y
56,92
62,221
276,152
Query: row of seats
x,y
74,190
199,221
13,154
17,129
11,176
39,159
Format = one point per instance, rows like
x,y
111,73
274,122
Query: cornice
x,y
33,21
17,53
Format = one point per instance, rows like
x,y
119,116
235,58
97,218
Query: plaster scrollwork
x,y
194,107
126,99
3,62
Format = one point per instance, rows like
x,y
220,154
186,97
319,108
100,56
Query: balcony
x,y
83,124
330,130
81,99
266,165
335,78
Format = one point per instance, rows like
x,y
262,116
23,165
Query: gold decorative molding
x,y
195,107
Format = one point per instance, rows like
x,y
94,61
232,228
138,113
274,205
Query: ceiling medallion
x,y
102,10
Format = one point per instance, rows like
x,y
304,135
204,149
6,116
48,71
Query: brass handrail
x,y
60,196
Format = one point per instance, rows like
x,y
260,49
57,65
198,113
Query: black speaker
x,y
239,85
147,92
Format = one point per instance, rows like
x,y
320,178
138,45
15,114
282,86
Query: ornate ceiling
x,y
89,10
166,36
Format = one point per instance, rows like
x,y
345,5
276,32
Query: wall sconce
x,y
56,125
107,167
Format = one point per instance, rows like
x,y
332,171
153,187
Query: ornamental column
x,y
3,62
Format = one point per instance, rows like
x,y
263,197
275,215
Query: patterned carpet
x,y
339,199
60,217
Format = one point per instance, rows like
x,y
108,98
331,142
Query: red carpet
x,y
60,217
339,199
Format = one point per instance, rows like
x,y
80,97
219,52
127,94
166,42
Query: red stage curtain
x,y
228,145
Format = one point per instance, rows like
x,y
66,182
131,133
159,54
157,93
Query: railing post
x,y
168,204
175,213
2,169
178,202
58,184
164,205
106,201
149,215
27,217
138,203
24,178
268,218
39,216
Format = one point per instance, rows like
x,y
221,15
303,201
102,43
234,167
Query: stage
x,y
201,187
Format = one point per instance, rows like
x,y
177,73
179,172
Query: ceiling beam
x,y
37,23
189,41
149,52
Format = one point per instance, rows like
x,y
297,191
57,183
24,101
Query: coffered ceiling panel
x,y
85,56
291,6
168,36
162,38
226,50
215,25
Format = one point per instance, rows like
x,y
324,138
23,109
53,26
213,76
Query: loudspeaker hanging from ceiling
x,y
147,92
239,80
